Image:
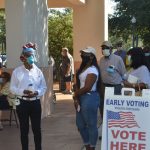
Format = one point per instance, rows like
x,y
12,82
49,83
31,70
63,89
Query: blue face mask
x,y
30,60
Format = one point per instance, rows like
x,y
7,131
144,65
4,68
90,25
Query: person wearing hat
x,y
67,69
139,70
29,85
120,52
112,70
86,97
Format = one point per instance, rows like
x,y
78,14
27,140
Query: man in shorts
x,y
66,68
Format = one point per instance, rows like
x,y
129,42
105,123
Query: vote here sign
x,y
126,122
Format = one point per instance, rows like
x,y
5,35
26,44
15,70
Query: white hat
x,y
107,43
89,50
66,49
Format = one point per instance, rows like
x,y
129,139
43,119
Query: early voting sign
x,y
126,122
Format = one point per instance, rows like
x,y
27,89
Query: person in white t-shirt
x,y
86,97
139,70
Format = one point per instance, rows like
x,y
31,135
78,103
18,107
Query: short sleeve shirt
x,y
116,77
143,75
83,75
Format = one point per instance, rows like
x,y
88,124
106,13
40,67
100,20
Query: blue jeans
x,y
86,118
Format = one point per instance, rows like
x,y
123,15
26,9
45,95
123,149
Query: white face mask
x,y
129,58
106,52
119,48
129,61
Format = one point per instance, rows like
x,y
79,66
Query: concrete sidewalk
x,y
59,131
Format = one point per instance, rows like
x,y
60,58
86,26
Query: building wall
x,y
58,3
27,23
88,27
2,3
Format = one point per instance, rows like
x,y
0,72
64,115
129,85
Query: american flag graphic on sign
x,y
121,119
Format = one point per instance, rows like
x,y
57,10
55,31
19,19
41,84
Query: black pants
x,y
32,110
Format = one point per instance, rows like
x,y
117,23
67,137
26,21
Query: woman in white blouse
x,y
139,70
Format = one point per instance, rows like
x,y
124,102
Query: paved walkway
x,y
58,130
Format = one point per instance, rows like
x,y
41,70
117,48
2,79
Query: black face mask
x,y
85,59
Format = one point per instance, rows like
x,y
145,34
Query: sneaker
x,y
1,127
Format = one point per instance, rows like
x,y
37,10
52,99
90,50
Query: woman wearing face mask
x,y
86,98
4,91
29,85
138,76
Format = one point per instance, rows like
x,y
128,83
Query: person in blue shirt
x,y
121,52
